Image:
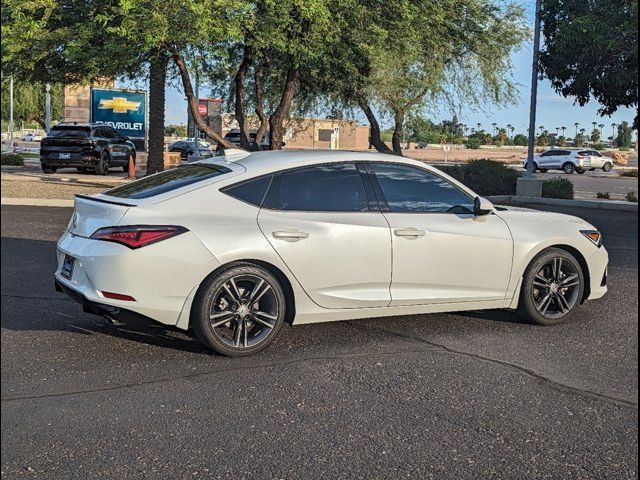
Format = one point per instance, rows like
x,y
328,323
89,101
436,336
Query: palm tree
x,y
510,128
541,128
564,129
479,125
494,125
613,132
577,124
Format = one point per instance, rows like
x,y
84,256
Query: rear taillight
x,y
580,157
136,236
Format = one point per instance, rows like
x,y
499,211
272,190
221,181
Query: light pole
x,y
47,108
11,112
529,185
613,132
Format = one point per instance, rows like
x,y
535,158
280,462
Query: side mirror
x,y
482,206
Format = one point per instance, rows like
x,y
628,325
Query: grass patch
x,y
632,197
629,173
11,159
485,177
557,188
603,195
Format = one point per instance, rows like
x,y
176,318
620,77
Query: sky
x,y
554,110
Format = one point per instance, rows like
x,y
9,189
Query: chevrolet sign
x,y
123,110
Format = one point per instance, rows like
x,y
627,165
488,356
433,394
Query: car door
x,y
549,159
442,252
327,229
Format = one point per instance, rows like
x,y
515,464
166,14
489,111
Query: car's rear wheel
x,y
568,168
581,171
240,311
552,287
102,167
535,167
607,167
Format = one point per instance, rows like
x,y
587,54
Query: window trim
x,y
382,199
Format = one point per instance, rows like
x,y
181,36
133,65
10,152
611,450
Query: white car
x,y
570,161
31,137
233,247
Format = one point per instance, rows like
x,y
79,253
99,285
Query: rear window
x,y
251,191
69,131
166,181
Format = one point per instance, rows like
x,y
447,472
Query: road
x,y
472,395
590,183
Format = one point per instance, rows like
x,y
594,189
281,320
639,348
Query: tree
x,y
543,139
520,140
623,139
591,51
595,135
29,102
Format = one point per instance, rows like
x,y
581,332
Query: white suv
x,y
570,161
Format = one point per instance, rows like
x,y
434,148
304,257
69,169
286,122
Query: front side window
x,y
321,188
168,180
412,189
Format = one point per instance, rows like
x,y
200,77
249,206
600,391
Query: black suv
x,y
86,146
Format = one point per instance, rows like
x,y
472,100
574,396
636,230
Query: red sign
x,y
202,109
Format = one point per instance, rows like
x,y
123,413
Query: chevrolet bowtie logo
x,y
119,105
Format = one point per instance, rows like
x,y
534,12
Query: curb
x,y
619,206
37,202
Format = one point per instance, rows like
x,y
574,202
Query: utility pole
x,y
11,112
529,185
47,108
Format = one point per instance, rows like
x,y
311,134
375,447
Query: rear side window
x,y
251,191
321,188
166,181
69,131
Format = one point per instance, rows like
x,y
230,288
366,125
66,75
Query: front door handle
x,y
409,232
290,234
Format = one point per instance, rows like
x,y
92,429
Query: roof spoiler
x,y
232,154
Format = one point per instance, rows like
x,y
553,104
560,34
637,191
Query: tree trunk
x,y
374,128
259,94
157,82
40,121
240,103
398,127
277,117
193,104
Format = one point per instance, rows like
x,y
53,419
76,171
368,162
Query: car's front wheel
x,y
552,287
569,168
607,167
240,311
102,167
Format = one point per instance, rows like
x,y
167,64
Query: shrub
x,y
557,188
600,147
632,197
11,159
520,140
603,195
474,143
618,158
485,177
629,173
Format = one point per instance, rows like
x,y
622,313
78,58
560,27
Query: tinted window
x,y
411,189
166,181
251,191
111,132
69,131
323,188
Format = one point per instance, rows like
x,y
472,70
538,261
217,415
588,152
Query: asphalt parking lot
x,y
473,395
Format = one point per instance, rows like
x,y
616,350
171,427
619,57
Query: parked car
x,y
233,247
31,137
85,146
570,161
189,148
233,136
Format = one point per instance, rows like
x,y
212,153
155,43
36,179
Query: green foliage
x,y
629,173
580,140
11,159
521,140
632,197
543,139
599,146
557,188
625,132
177,130
474,142
485,177
603,195
591,50
28,102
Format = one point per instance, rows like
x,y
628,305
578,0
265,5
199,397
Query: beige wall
x,y
307,133
76,101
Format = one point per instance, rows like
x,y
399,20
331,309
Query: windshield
x,y
166,181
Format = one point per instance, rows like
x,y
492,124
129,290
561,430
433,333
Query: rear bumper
x,y
159,277
77,161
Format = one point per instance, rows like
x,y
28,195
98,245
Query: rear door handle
x,y
409,232
291,234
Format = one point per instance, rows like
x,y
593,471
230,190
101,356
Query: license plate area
x,y
64,156
67,267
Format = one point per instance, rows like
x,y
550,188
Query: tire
x,y
240,331
102,168
535,167
607,167
581,171
568,168
543,299
49,170
543,170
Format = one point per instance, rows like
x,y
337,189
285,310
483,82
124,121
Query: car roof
x,y
267,161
